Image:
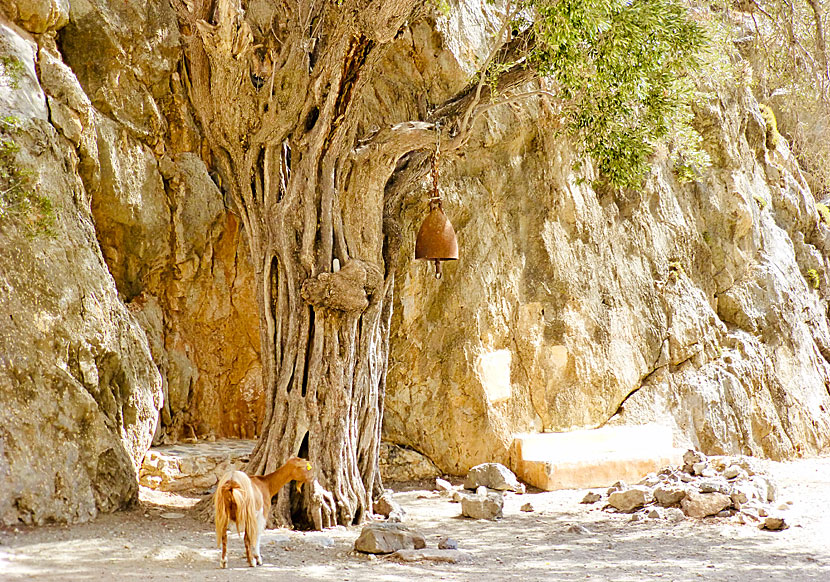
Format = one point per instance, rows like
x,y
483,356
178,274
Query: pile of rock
x,y
722,486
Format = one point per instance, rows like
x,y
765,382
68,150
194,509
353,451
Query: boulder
x,y
386,506
493,476
386,538
668,496
591,497
704,504
627,500
774,523
482,506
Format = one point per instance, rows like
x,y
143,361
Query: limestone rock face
x,y
400,464
571,307
79,389
137,315
178,257
37,15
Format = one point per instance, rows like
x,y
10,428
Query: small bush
x,y
813,278
823,213
762,203
773,137
12,69
19,201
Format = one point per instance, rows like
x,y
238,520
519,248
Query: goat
x,y
246,501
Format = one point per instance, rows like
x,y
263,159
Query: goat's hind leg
x,y
260,519
223,561
249,551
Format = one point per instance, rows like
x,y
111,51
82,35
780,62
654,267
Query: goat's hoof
x,y
259,561
223,564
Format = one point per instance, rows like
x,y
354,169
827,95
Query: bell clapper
x,y
438,272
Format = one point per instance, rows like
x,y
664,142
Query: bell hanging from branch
x,y
436,240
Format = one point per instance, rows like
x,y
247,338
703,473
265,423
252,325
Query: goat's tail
x,y
234,497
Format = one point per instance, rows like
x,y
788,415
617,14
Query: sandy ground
x,y
149,544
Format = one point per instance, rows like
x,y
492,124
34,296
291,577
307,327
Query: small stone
x,y
765,486
751,513
654,513
732,472
427,555
443,485
637,517
528,507
774,523
481,491
579,529
692,458
171,515
714,486
323,542
457,496
386,505
650,480
740,495
762,512
396,516
674,514
784,506
591,497
726,513
629,499
618,486
446,543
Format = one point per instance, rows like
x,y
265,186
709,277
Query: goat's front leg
x,y
223,561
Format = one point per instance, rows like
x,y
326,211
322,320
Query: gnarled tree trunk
x,y
274,89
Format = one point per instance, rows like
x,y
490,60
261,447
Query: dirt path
x,y
143,544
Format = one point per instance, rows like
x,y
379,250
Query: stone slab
x,y
592,458
193,466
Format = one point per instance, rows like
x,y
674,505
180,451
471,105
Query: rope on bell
x,y
435,199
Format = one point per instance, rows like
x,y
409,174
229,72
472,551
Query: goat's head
x,y
301,471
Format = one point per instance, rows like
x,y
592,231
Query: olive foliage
x,y
619,70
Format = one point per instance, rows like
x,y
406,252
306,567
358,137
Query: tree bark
x,y
274,89
274,94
